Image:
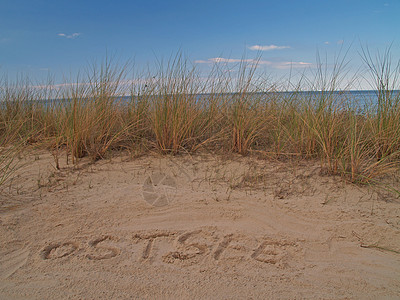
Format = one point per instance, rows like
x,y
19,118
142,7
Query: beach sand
x,y
195,227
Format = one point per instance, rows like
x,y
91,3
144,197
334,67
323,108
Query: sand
x,y
195,227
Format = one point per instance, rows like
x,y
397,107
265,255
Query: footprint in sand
x,y
158,189
12,260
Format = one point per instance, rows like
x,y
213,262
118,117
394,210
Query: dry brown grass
x,y
165,114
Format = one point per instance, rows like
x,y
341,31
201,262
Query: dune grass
x,y
92,116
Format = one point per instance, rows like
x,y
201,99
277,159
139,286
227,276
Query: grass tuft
x,y
180,110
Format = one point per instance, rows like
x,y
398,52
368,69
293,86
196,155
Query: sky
x,y
39,37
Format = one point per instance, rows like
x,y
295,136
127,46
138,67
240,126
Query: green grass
x,y
164,115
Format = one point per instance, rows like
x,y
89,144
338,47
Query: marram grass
x,y
92,117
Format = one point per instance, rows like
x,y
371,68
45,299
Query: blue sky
x,y
60,37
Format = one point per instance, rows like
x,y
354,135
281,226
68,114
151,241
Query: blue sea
x,y
361,100
360,97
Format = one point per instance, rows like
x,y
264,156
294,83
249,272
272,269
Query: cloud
x,y
340,42
290,64
127,82
224,60
229,60
71,36
267,48
272,64
326,43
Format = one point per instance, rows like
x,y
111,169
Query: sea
x,y
361,100
359,97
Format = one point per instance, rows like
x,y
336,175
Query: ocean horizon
x,y
356,96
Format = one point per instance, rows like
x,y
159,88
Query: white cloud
x,y
290,64
55,86
224,60
340,42
71,36
326,43
128,82
272,64
267,48
229,60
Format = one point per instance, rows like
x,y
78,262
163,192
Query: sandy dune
x,y
198,227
